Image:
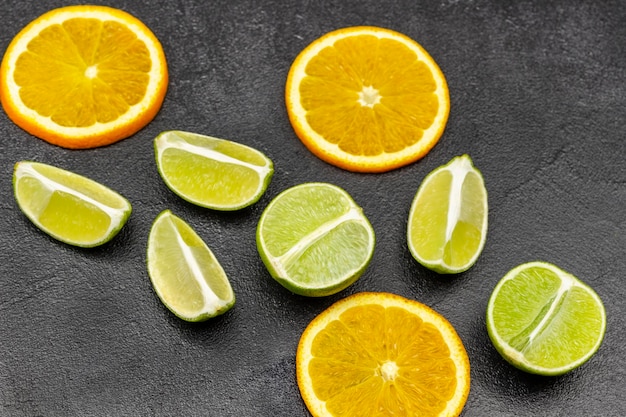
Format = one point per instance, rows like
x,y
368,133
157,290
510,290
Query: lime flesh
x,y
314,239
184,273
67,206
209,172
447,225
544,320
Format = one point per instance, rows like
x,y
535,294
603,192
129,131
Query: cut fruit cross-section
x,y
214,173
67,206
314,239
83,76
544,320
367,99
447,225
374,354
184,273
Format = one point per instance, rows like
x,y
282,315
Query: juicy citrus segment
x,y
210,172
447,225
367,99
184,273
314,239
544,320
67,206
83,76
382,354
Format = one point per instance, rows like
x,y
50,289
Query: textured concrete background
x,y
538,96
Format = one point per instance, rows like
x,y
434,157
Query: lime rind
x,y
209,172
184,272
461,172
322,236
45,190
547,335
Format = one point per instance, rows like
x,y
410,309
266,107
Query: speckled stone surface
x,y
538,92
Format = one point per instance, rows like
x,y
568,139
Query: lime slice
x,y
184,272
544,320
67,206
447,225
314,239
210,172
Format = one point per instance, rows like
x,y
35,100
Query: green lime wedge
x,y
447,225
314,239
67,206
214,173
184,273
544,320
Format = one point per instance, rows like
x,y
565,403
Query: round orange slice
x,y
367,99
382,354
83,76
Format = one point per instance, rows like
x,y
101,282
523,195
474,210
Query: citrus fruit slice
x,y
544,320
83,76
314,239
67,206
447,225
382,354
367,99
210,172
184,273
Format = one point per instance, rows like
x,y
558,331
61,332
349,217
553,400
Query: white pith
x,y
173,141
369,96
211,301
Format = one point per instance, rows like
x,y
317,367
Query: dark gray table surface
x,y
538,101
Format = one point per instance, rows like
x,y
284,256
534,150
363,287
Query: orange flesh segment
x,y
396,89
363,363
84,53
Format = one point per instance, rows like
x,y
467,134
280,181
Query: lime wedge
x,y
67,206
314,239
184,273
447,225
214,173
544,320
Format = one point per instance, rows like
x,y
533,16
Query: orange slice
x,y
367,99
83,76
382,354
